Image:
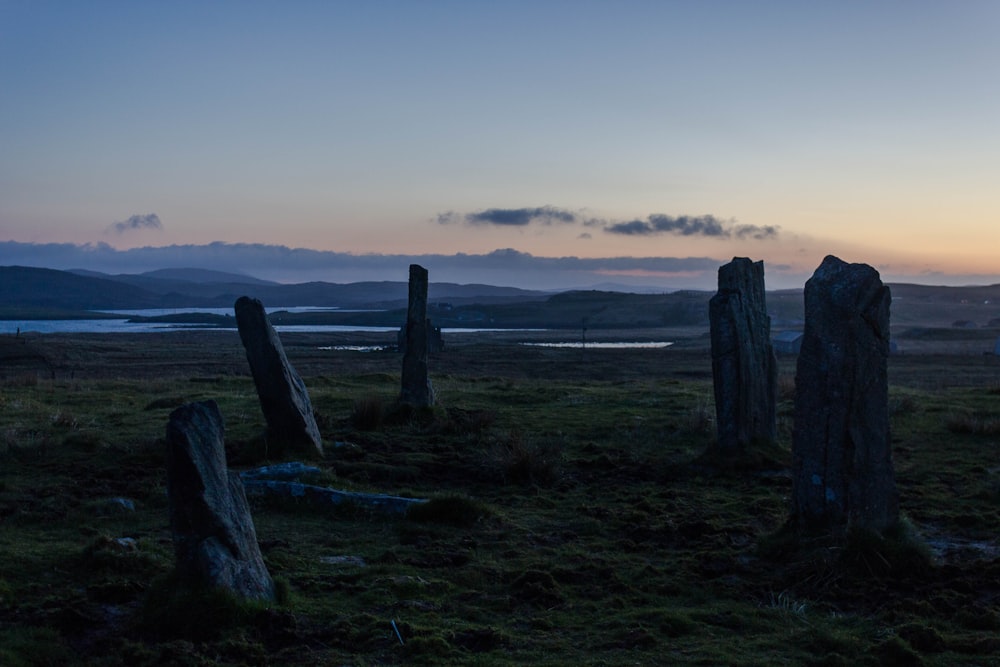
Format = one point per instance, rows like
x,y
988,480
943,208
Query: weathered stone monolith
x,y
743,364
282,393
214,537
416,390
435,341
842,459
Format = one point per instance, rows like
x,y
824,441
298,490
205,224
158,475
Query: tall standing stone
x,y
282,393
416,383
842,459
214,537
743,364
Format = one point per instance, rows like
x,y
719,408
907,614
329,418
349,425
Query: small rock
x,y
115,506
127,543
354,561
282,472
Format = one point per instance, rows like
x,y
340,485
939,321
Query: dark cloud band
x,y
284,263
520,217
148,221
686,225
708,226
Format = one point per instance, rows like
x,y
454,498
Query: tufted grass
x,y
574,519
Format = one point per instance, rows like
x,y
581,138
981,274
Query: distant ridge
x,y
193,275
34,293
190,275
627,289
29,287
26,287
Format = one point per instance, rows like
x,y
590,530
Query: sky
x,y
538,144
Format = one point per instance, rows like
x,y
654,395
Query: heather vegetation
x,y
574,514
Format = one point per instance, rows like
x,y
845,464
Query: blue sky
x,y
679,134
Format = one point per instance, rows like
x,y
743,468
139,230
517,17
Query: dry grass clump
x,y
516,460
699,418
454,510
165,402
571,520
902,404
63,419
786,603
786,387
367,413
173,608
85,441
899,549
471,422
43,645
22,380
974,423
9,439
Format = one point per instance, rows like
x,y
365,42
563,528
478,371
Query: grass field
x,y
575,519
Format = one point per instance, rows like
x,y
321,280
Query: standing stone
x,y
842,459
435,341
417,390
282,393
743,363
214,537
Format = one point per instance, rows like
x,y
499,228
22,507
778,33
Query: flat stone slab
x,y
288,472
281,481
325,496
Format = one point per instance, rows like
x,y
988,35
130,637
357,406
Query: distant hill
x,y
938,306
29,287
622,287
205,276
201,285
913,305
592,309
32,293
178,275
33,288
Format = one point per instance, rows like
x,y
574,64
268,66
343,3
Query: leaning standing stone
x,y
214,537
283,396
416,388
842,460
743,364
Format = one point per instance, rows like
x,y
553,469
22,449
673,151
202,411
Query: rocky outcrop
x,y
842,460
743,363
282,393
416,384
213,532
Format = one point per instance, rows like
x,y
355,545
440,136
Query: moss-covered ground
x,y
575,518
